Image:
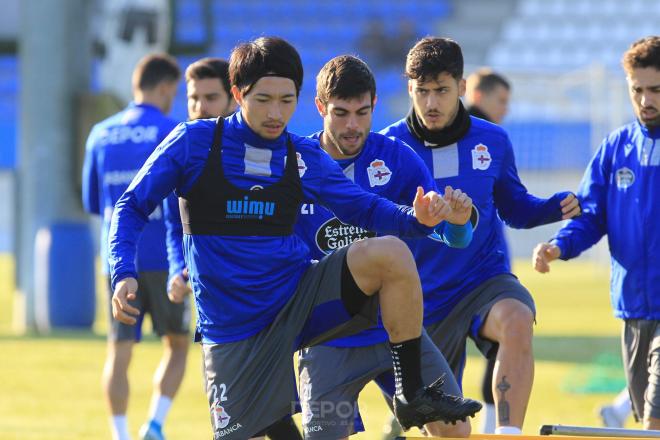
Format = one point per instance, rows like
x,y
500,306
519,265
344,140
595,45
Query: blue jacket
x,y
392,170
620,194
482,164
241,283
116,149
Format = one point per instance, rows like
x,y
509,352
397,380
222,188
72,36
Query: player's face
x,y
207,98
495,103
644,90
346,124
268,105
436,100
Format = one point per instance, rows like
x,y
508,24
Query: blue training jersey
x,y
481,164
241,283
620,193
392,170
116,149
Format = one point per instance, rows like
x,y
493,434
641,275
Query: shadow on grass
x,y
574,349
83,335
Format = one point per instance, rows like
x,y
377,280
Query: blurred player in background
x,y
471,293
208,90
116,149
620,193
487,97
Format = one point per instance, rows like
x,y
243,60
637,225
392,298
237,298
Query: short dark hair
x,y
432,56
345,77
210,68
153,69
485,80
643,53
265,56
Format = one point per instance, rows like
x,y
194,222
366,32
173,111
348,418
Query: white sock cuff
x,y
160,406
488,419
510,430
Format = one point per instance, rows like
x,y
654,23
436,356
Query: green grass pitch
x,y
50,385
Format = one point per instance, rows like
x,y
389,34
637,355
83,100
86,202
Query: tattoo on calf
x,y
503,405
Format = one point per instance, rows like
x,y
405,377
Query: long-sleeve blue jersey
x,y
116,149
482,164
620,194
241,282
392,170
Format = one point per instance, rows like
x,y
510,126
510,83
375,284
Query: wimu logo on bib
x,y
249,209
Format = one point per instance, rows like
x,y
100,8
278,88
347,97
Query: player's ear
x,y
238,96
373,102
461,87
320,107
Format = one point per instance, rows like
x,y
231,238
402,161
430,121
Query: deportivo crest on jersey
x,y
301,165
335,234
480,157
624,178
378,173
220,416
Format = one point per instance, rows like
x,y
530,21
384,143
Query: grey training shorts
x,y
331,378
251,383
640,344
468,316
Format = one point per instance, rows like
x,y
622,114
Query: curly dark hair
x,y
642,53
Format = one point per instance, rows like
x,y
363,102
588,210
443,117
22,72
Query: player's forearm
x,y
527,211
577,236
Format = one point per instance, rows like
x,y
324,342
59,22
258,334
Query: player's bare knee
x,y
517,328
176,343
393,256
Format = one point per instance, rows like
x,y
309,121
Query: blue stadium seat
x,y
550,145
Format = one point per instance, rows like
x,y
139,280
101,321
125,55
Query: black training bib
x,y
214,206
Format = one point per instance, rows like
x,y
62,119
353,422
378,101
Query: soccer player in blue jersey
x,y
620,191
241,182
333,374
116,149
471,293
209,96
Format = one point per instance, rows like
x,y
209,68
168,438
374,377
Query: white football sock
x,y
119,425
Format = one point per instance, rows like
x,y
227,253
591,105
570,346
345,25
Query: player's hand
x,y
544,253
178,288
570,207
125,291
430,208
460,204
